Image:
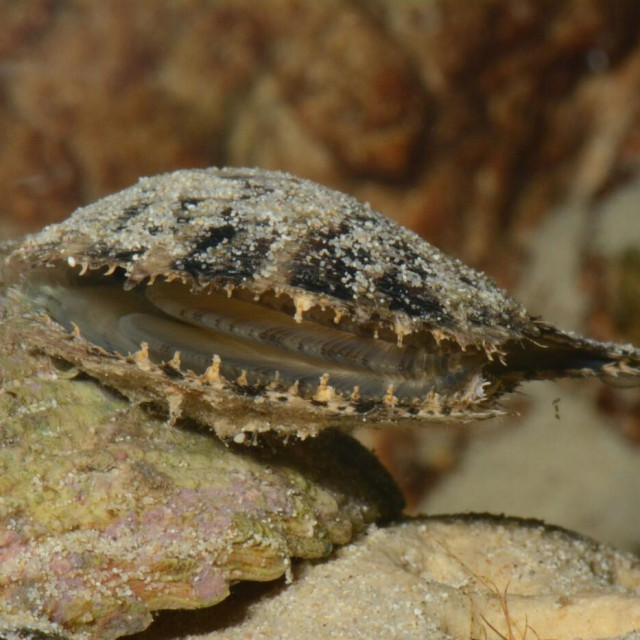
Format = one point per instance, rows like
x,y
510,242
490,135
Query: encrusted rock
x,y
108,513
452,577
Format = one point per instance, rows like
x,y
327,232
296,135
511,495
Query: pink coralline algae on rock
x,y
108,513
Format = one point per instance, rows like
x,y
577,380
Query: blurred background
x,y
507,132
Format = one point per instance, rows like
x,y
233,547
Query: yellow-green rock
x,y
108,512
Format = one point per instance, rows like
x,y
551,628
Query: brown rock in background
x,y
465,120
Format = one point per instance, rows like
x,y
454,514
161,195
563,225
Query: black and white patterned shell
x,y
255,300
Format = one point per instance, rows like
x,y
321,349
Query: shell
x,y
254,300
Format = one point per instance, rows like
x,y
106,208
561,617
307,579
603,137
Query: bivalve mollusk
x,y
253,300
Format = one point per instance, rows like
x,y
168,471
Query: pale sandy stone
x,y
454,577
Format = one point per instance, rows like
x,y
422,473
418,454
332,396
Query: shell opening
x,y
257,341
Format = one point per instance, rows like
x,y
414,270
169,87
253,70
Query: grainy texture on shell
x,y
108,514
254,300
268,229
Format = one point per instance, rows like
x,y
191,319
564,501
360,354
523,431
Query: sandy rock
x,y
452,577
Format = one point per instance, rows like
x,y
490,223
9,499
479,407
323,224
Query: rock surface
x,y
108,513
446,578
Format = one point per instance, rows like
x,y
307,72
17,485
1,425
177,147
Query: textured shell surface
x,y
255,300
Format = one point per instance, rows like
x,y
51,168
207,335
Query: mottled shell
x,y
269,230
350,316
